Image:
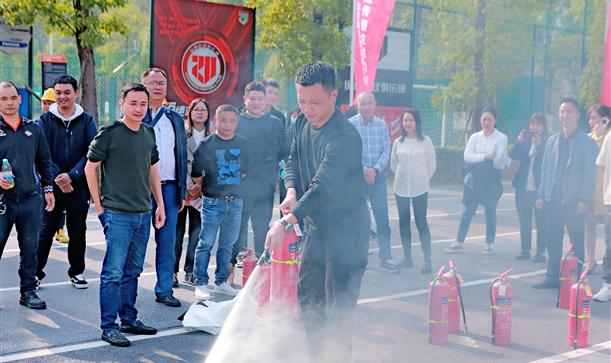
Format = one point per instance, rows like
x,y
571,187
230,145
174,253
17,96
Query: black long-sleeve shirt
x,y
326,169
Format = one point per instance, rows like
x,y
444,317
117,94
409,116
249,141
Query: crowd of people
x,y
218,170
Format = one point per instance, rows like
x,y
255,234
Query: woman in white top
x,y
198,127
413,161
485,157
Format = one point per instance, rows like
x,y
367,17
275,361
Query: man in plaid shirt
x,y
376,151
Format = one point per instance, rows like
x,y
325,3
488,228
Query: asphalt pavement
x,y
391,319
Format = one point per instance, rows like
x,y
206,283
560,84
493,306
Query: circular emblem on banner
x,y
203,67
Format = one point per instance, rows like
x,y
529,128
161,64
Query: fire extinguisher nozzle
x,y
265,258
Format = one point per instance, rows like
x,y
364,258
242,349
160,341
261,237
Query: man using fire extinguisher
x,y
565,190
325,193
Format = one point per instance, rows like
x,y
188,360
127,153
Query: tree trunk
x,y
89,98
478,64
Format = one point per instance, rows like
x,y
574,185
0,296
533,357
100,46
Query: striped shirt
x,y
376,142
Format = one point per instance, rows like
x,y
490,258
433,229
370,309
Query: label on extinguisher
x,y
588,291
502,289
573,272
444,300
503,301
295,247
585,304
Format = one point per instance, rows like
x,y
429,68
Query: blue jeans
x,y
378,199
165,254
127,235
467,216
226,215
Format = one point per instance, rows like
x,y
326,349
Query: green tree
x,y
478,45
87,21
300,31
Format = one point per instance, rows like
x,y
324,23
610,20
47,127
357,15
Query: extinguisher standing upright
x,y
579,313
501,306
439,291
285,269
455,301
568,277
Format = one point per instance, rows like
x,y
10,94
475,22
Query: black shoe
x,y
168,300
523,256
426,269
114,337
389,267
175,281
538,258
137,327
31,300
547,284
406,263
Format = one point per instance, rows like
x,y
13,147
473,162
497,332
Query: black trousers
x,y
525,206
420,205
76,205
24,213
258,209
334,258
557,216
195,226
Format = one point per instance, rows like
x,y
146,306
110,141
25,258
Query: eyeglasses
x,y
199,110
157,83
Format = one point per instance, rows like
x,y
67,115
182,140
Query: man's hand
x,y
182,206
5,184
275,236
522,136
539,203
289,201
582,208
50,202
67,188
159,217
490,156
536,139
194,191
369,175
63,179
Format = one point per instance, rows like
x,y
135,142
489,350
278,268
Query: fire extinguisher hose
x,y
493,306
430,320
462,304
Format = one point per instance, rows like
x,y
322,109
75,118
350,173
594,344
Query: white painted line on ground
x,y
573,354
402,295
43,352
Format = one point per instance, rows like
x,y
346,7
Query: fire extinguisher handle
x,y
584,275
441,270
504,274
265,257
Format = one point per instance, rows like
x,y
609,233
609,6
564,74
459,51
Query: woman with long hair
x,y
528,151
413,161
197,127
598,119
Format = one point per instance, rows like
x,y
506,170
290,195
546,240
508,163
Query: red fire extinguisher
x,y
501,305
439,291
568,277
285,269
455,301
249,261
579,313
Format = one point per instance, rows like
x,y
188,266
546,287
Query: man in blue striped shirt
x,y
376,152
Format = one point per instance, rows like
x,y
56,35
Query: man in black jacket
x,y
69,130
325,193
23,144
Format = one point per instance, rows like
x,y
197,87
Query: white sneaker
x,y
604,294
202,292
225,289
488,249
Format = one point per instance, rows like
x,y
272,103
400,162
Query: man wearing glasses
x,y
172,145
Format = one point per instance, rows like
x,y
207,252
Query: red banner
x,y
206,49
371,18
605,84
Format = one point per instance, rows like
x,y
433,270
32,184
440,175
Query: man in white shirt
x,y
172,146
376,152
485,157
604,161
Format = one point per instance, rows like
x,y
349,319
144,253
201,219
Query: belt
x,y
227,198
166,182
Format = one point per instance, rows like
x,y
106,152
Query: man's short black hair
x,y
316,72
254,86
7,84
270,82
572,101
133,87
227,108
66,79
